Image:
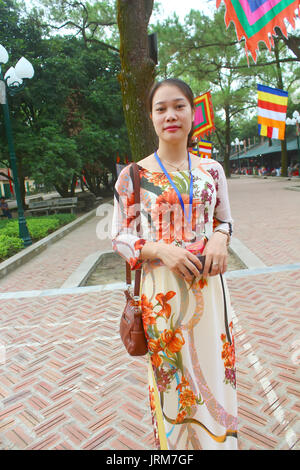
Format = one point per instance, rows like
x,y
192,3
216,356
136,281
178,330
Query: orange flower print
x,y
163,299
173,341
139,243
183,383
228,356
147,312
129,207
156,360
151,398
187,398
180,417
159,179
202,282
154,346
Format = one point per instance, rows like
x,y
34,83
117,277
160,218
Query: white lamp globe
x,y
24,68
3,55
293,121
296,115
288,121
11,77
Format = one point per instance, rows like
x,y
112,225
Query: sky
x,y
168,7
183,7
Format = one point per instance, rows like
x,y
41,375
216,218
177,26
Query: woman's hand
x,y
180,261
216,252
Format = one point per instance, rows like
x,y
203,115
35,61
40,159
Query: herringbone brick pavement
x,y
67,382
266,218
267,327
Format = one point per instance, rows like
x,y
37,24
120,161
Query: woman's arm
x,y
125,239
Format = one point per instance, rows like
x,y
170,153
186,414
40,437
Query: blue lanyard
x,y
175,188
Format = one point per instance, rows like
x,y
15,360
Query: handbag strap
x,y
134,172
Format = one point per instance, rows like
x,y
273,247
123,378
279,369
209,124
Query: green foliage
x,y
64,218
39,227
9,246
69,116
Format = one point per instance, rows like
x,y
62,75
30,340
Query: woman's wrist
x,y
151,250
224,234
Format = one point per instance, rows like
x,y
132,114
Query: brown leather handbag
x,y
131,325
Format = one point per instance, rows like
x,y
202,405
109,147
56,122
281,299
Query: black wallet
x,y
202,260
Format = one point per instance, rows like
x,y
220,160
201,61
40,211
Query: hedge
x,y
39,227
9,246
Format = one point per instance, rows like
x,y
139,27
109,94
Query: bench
x,y
53,205
64,203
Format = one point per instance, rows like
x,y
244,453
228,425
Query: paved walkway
x,y
66,381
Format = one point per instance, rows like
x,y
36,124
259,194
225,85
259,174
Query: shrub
x,y
64,218
9,246
39,227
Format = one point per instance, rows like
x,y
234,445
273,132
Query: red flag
x,y
10,183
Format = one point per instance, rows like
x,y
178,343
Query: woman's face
x,y
172,114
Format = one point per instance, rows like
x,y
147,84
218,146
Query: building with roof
x,y
264,154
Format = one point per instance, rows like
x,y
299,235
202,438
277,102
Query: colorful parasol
x,y
255,20
204,115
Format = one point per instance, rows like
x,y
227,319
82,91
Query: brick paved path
x,y
66,382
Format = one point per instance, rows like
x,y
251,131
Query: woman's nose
x,y
171,115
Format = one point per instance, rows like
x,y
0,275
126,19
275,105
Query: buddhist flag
x,y
204,116
271,111
202,149
205,148
256,20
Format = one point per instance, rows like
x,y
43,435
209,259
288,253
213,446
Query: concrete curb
x,y
79,276
246,256
25,255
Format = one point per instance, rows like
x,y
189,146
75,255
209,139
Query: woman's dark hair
x,y
186,90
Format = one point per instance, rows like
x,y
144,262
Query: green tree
x,y
69,118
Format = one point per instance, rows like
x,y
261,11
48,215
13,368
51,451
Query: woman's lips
x,y
172,128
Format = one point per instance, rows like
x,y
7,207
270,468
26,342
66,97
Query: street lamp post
x,y
293,122
12,82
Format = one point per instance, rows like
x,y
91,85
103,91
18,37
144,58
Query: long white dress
x,y
191,367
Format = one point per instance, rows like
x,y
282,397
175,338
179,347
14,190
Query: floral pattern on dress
x,y
228,356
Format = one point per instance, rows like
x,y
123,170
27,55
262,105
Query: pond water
x,y
112,268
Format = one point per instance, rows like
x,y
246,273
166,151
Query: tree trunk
x,y
21,183
137,74
227,143
73,185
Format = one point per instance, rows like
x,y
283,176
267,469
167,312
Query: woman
x,y
184,200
